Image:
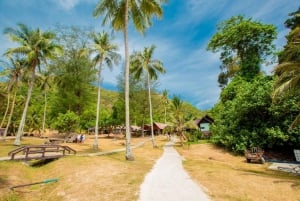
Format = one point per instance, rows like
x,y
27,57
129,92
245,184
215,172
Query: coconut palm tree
x,y
105,52
288,78
142,62
36,47
165,100
15,68
118,12
177,107
44,81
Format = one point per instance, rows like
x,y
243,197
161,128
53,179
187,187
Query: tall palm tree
x,y
142,62
288,78
9,87
177,106
44,81
36,47
15,68
165,100
119,12
105,52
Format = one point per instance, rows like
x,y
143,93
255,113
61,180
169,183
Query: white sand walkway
x,y
168,181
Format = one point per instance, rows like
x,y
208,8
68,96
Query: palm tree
x,y
288,78
15,67
36,47
142,62
177,106
44,80
165,102
105,52
118,12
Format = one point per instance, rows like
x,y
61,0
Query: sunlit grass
x,y
228,177
108,177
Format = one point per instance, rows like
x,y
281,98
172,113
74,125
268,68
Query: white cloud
x,y
70,4
67,4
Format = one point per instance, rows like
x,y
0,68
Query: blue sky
x,y
180,37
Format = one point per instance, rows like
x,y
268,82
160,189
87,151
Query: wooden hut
x,y
204,125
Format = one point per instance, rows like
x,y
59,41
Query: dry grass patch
x,y
94,178
227,177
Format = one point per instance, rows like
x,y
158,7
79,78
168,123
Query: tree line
x,y
256,109
52,79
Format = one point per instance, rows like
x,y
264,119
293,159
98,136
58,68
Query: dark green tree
x,y
74,73
287,72
243,42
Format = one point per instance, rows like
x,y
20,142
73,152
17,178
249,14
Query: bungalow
x,y
157,128
204,124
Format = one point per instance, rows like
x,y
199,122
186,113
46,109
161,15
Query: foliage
x,y
294,21
242,42
35,47
67,122
288,70
247,117
142,63
73,72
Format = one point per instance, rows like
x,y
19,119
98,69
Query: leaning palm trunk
x,y
22,123
7,107
95,145
44,116
10,115
128,154
150,107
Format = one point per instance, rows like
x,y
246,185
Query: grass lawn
x,y
94,178
227,177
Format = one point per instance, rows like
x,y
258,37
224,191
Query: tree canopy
x,y
243,42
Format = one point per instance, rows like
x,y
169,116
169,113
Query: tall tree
x,y
143,62
249,41
177,107
44,81
288,70
105,52
37,46
15,68
119,12
73,71
165,100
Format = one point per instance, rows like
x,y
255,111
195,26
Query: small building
x,y
204,125
158,128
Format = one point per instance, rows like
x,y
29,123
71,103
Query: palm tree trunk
x,y
165,115
44,116
10,115
128,153
150,107
95,145
22,123
7,107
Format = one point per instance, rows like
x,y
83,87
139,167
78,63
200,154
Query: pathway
x,y
168,181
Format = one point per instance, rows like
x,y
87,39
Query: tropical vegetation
x,y
41,88
256,109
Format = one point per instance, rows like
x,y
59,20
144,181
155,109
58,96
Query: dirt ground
x,y
223,176
228,177
82,178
